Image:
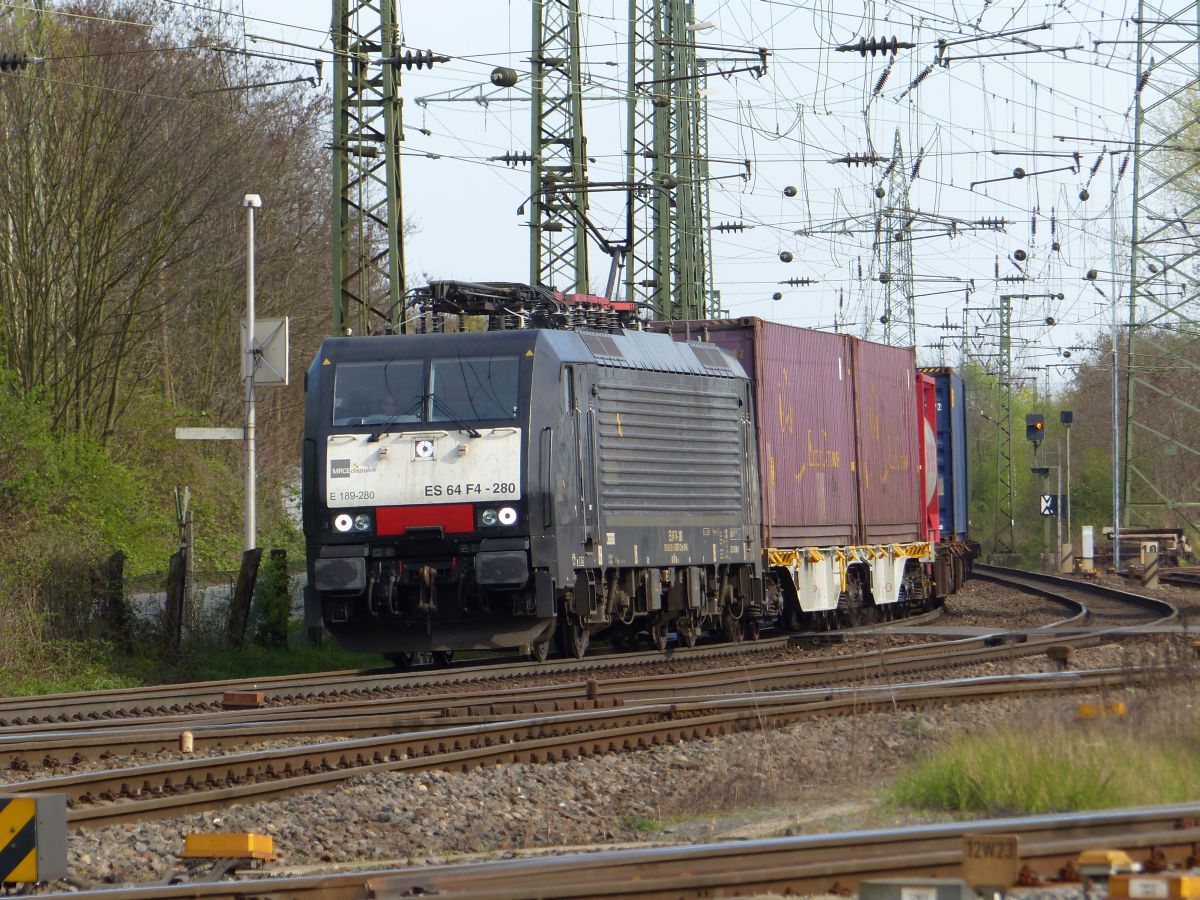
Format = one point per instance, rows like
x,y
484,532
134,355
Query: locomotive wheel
x,y
403,661
574,636
658,633
753,628
442,657
731,627
688,629
540,652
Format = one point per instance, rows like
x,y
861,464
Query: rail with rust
x,y
807,865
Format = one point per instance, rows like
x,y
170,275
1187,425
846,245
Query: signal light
x,y
1035,427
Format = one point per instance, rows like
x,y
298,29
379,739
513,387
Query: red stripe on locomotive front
x,y
450,516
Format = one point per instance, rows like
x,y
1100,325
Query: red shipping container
x,y
805,424
837,424
888,465
927,451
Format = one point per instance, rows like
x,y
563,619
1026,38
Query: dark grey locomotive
x,y
483,490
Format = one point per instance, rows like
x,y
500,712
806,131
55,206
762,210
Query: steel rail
x,y
1059,586
206,695
189,784
807,864
51,745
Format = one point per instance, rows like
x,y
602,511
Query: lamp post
x,y
1067,418
249,358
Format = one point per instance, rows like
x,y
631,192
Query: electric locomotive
x,y
483,489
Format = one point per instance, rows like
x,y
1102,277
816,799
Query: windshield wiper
x,y
394,419
454,419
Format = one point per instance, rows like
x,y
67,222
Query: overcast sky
x,y
975,120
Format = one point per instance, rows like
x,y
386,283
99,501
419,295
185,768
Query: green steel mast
x,y
368,246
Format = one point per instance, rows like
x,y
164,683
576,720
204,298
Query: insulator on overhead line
x,y
503,76
798,282
415,59
883,79
512,158
731,226
10,62
859,159
917,165
876,45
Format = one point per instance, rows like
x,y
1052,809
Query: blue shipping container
x,y
951,452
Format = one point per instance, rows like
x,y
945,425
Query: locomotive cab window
x,y
474,388
378,393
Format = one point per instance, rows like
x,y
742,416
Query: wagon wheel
x,y
574,636
403,661
442,657
852,604
903,602
658,633
540,651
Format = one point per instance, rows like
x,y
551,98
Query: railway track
x,y
190,784
805,865
50,745
537,723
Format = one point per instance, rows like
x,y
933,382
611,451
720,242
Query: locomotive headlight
x,y
488,517
343,522
362,522
507,515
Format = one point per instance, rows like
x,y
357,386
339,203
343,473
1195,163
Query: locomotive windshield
x,y
474,388
463,389
375,393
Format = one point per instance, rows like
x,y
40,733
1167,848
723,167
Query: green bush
x,y
272,602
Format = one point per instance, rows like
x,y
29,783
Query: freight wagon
x,y
848,519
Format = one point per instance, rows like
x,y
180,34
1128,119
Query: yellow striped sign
x,y
18,839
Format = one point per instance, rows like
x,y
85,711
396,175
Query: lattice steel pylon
x,y
558,235
899,308
368,247
669,266
1005,474
647,162
1161,472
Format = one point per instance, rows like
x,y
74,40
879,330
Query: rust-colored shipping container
x,y
829,477
888,466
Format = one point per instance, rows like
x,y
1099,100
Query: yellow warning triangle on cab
x,y
529,353
325,362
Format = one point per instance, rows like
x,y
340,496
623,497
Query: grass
x,y
1056,768
80,666
641,825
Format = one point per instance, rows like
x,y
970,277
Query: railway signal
x,y
1035,427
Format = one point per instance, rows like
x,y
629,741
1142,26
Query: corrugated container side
x,y
958,431
805,425
886,417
